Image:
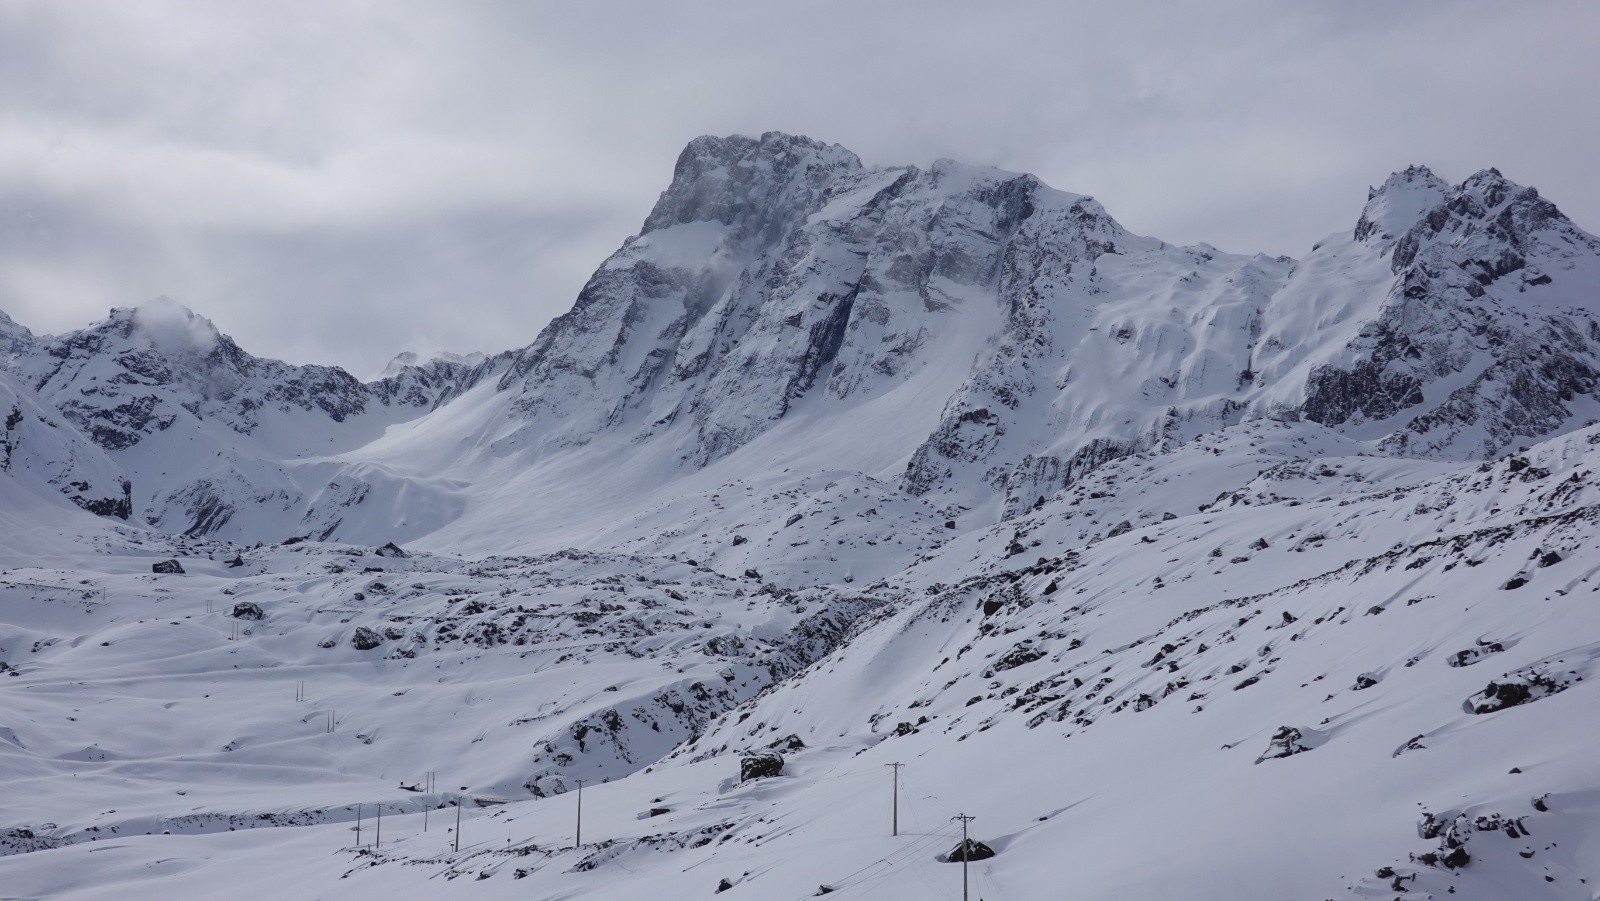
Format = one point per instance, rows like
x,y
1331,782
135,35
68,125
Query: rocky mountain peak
x,y
15,340
412,360
164,324
1398,203
743,181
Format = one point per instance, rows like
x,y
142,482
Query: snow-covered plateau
x,y
1183,574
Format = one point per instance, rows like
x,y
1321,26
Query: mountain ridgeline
x,y
1020,336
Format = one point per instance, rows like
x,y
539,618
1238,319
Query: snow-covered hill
x,y
1189,574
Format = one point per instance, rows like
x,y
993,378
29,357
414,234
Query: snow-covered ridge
x,y
1021,336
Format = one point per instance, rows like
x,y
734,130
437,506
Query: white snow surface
x,y
1187,574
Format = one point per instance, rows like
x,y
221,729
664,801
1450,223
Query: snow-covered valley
x,y
1187,574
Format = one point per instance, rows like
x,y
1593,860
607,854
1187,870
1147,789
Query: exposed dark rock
x,y
1286,742
248,610
760,765
167,568
1014,658
790,742
1472,655
365,639
392,550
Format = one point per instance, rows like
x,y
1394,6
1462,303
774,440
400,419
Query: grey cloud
x,y
340,181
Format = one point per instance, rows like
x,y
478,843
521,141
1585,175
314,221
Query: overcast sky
x,y
339,181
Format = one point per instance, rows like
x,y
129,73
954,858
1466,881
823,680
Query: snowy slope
x,y
1071,697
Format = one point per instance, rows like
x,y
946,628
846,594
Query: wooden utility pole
x,y
895,768
966,851
458,824
577,841
358,825
379,845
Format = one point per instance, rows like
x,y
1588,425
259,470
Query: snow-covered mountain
x,y
1188,573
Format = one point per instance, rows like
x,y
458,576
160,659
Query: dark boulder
x,y
236,562
1286,742
790,742
167,568
760,765
391,550
248,610
365,639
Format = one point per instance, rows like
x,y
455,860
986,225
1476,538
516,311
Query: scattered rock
x,y
1472,655
365,639
392,550
1523,686
760,765
248,610
167,568
1286,742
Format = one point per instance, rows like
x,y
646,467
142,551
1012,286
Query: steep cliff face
x,y
44,453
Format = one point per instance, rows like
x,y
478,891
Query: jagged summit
x,y
748,182
411,360
169,326
1398,203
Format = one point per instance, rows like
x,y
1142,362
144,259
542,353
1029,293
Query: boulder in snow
x,y
365,639
248,610
760,765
